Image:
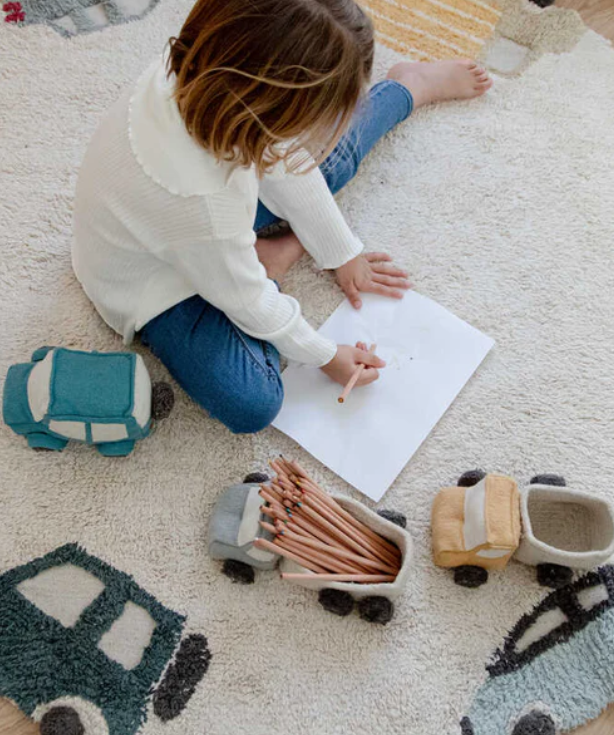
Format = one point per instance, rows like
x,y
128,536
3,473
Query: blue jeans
x,y
233,376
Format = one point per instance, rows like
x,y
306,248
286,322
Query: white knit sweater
x,y
158,220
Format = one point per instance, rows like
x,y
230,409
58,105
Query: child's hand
x,y
342,366
371,273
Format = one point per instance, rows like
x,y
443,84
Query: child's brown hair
x,y
253,74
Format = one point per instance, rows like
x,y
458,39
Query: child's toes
x,y
483,86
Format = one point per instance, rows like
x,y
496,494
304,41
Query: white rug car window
x,y
544,624
96,15
67,23
129,636
132,7
593,596
62,592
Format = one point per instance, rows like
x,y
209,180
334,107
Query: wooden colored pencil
x,y
374,547
278,467
295,528
314,530
309,485
274,492
269,528
331,514
299,524
296,467
275,514
338,533
262,543
322,560
355,377
364,578
336,551
271,499
352,520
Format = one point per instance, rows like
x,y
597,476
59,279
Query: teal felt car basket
x,y
92,385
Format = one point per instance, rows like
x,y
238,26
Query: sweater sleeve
x,y
228,274
305,201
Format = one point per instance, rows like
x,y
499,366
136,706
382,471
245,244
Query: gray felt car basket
x,y
394,533
565,527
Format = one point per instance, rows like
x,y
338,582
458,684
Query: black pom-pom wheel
x,y
553,575
256,478
376,609
470,478
61,721
238,571
535,723
337,602
162,401
548,479
470,576
393,516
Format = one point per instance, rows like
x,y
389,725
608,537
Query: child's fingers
x,y
379,288
361,345
393,281
371,360
353,295
389,269
377,257
368,375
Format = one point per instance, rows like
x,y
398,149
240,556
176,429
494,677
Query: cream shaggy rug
x,y
502,210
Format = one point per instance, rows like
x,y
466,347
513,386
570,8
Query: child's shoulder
x,y
161,144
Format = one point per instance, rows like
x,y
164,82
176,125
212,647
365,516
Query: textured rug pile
x,y
502,209
430,29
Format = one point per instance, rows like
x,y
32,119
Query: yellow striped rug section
x,y
428,30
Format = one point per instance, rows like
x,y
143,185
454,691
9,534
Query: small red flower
x,y
14,13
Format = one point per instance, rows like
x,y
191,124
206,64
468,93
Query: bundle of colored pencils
x,y
313,530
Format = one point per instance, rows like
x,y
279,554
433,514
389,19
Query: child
x,y
210,147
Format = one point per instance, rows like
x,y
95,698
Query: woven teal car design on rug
x,y
83,648
70,17
555,670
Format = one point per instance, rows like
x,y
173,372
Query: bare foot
x,y
279,254
458,79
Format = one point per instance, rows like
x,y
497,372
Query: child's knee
x,y
255,412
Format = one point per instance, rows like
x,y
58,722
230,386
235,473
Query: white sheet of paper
x,y
430,355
